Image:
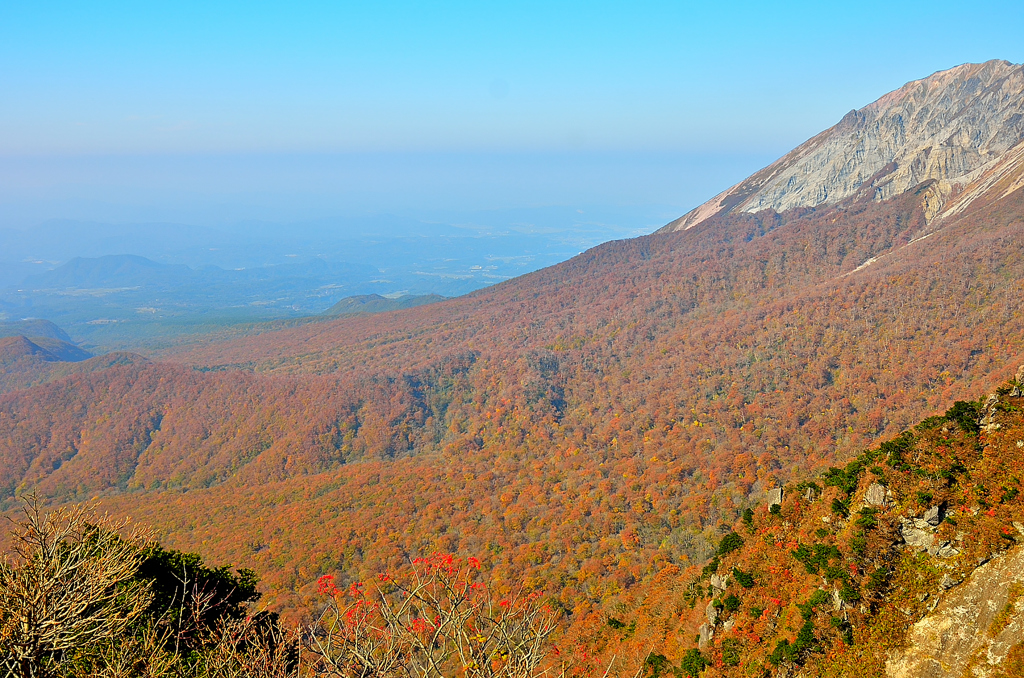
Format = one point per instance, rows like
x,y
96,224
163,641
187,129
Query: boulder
x,y
948,581
933,516
774,497
810,495
727,626
877,495
988,422
720,582
917,534
707,635
711,612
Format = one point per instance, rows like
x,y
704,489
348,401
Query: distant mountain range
x,y
374,303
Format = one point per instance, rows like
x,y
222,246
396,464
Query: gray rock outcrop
x,y
711,612
707,635
773,497
877,495
917,533
962,128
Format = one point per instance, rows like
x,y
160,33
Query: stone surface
x,y
810,494
720,582
961,128
876,495
707,635
949,581
958,633
933,516
917,534
727,626
711,612
773,497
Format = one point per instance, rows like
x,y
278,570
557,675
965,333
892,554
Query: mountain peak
x,y
963,128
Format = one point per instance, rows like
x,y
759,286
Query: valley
x,y
596,428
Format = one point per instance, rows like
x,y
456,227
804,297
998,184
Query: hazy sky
x,y
188,105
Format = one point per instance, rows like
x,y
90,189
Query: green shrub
x,y
819,597
965,415
796,651
731,602
731,651
656,663
745,579
848,593
816,557
867,519
693,663
730,542
859,544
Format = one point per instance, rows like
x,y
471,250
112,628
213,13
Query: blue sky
x,y
681,84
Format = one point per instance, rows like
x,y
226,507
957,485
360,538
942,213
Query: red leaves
x,y
325,585
420,625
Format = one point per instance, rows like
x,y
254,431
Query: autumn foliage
x,y
581,430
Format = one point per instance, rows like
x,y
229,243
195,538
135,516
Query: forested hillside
x,y
580,427
907,561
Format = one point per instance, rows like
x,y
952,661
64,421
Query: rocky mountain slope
x,y
962,128
580,428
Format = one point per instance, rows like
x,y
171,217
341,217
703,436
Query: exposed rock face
x,y
707,634
774,497
711,612
971,631
962,128
917,534
876,495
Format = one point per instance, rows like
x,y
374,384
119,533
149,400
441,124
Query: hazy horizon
x,y
430,149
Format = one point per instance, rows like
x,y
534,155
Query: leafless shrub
x,y
69,585
437,622
251,647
